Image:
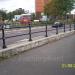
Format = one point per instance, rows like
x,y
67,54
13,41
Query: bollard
x,y
57,29
70,27
3,37
46,31
30,39
64,27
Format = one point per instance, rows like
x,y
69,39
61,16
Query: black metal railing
x,y
30,32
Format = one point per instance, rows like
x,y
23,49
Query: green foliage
x,y
10,15
19,11
33,17
3,14
59,7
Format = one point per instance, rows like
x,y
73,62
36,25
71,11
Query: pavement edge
x,y
22,47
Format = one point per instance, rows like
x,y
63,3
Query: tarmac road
x,y
45,60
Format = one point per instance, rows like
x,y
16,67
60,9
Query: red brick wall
x,y
39,5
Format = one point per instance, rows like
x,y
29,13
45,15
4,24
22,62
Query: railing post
x,y
74,26
64,27
57,30
30,39
46,31
3,37
70,27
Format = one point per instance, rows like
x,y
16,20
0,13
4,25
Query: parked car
x,y
57,24
7,26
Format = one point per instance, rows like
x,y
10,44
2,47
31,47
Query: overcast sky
x,y
11,5
14,4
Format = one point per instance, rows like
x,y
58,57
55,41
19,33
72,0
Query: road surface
x,y
20,31
45,60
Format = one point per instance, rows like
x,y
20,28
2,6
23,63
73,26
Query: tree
x,y
3,14
33,17
18,11
59,7
10,15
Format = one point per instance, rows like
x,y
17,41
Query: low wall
x,y
21,47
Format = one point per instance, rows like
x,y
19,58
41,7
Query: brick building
x,y
39,6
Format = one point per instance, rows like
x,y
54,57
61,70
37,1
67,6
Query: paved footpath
x,y
46,60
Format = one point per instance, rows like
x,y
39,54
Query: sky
x,y
11,5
